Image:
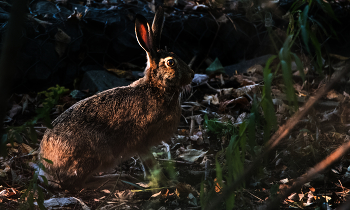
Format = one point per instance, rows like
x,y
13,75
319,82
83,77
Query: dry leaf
x,y
200,79
4,171
14,110
190,155
249,89
211,99
26,149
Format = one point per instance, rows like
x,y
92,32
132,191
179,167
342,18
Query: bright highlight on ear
x,y
144,33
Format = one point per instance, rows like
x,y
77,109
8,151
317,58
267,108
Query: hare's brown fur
x,y
99,132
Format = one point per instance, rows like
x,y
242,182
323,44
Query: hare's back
x,y
110,118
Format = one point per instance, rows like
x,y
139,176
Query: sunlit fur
x,y
99,132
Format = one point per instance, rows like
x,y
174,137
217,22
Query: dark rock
x,y
46,7
77,94
243,66
137,74
99,80
4,15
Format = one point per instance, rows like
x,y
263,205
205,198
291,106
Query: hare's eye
x,y
170,62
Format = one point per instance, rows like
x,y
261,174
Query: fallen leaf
x,y
26,149
156,194
200,79
14,110
3,172
247,90
182,190
211,99
190,155
242,101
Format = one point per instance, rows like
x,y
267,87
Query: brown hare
x,y
99,132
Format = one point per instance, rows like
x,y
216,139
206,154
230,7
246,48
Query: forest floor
x,y
198,155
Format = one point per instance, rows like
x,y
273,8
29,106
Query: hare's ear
x,y
157,26
144,33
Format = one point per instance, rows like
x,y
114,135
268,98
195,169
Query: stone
x,y
243,66
100,80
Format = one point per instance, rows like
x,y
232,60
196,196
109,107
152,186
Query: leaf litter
x,y
218,105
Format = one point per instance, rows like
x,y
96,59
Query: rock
x,y
77,94
243,66
137,74
100,80
58,202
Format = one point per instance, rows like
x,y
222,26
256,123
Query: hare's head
x,y
164,69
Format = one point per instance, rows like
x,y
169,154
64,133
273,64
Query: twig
x,y
281,133
192,125
338,153
112,192
192,93
44,188
261,200
192,61
175,161
40,127
212,87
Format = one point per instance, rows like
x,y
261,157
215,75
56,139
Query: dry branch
x,y
282,132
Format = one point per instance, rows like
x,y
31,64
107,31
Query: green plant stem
x,y
281,133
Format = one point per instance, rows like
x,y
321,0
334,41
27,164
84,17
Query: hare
x,y
99,132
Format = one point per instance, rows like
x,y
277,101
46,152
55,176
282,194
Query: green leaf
x,y
328,9
230,201
218,170
305,15
287,77
41,166
47,160
40,199
35,177
299,66
18,137
242,128
317,46
305,37
215,67
304,27
30,200
320,25
45,180
325,19
267,69
170,169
